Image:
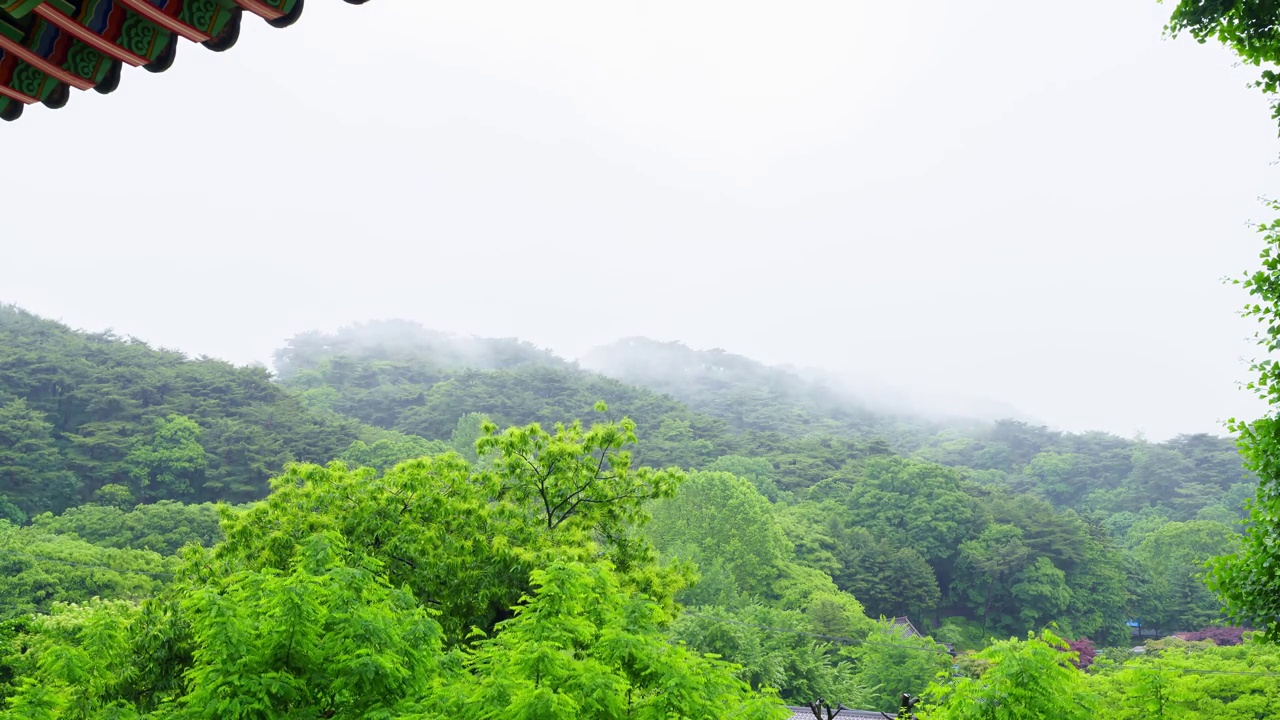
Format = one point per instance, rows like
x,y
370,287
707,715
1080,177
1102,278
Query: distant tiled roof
x,y
911,631
905,622
804,713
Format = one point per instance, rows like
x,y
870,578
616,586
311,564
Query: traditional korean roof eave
x,y
905,623
48,47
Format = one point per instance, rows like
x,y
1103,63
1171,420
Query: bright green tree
x,y
788,650
389,450
114,496
757,471
430,591
76,658
1062,478
893,662
1040,592
463,542
326,638
39,569
723,519
577,475
1249,581
1031,679
426,523
171,462
913,504
329,637
1247,27
1175,679
581,647
163,526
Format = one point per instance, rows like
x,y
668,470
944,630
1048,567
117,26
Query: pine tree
x,y
31,474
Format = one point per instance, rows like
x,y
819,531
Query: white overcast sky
x,y
1030,202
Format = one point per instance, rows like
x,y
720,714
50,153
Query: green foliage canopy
x,y
1249,581
1022,680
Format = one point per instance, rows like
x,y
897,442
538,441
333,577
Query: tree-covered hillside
x,y
694,406
389,340
434,590
402,377
80,412
1190,476
998,526
750,395
803,518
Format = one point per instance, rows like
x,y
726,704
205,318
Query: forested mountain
x,y
406,387
402,377
1004,525
800,509
749,395
83,411
1189,476
392,340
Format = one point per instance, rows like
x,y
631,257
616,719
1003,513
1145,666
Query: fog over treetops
x,y
792,501
716,381
673,366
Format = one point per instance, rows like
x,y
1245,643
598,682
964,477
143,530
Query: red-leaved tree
x,y
1219,635
1083,646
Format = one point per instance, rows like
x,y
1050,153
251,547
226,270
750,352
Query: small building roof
x,y
804,713
905,622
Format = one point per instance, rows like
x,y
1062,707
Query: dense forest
x,y
405,523
990,528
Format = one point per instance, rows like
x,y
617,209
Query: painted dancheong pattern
x,y
264,9
101,24
47,46
77,64
19,39
170,16
21,82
